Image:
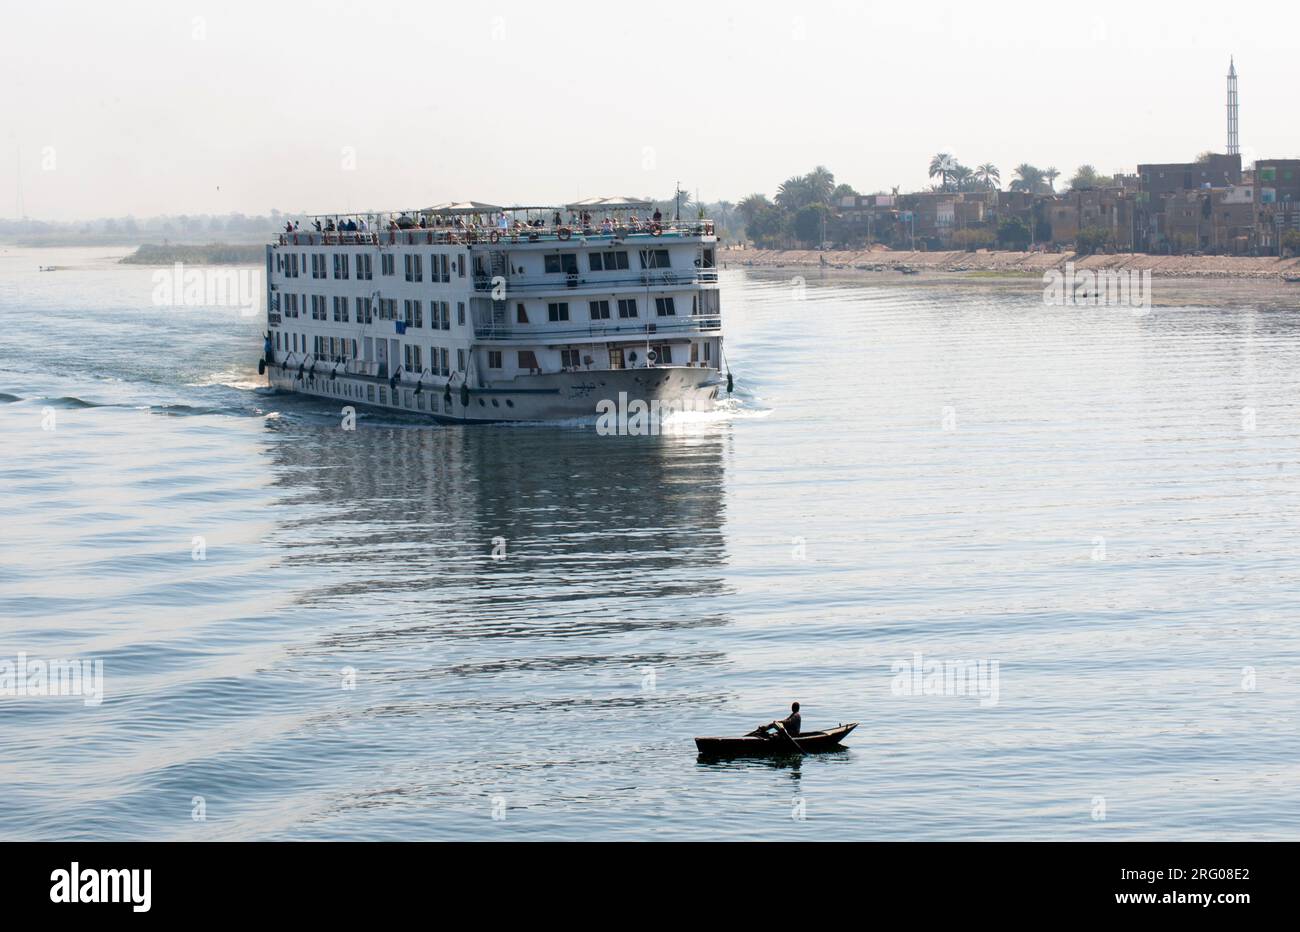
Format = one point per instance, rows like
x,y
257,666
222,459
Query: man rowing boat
x,y
790,724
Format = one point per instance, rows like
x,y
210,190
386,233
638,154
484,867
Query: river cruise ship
x,y
476,313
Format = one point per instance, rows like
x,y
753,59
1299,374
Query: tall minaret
x,y
1233,148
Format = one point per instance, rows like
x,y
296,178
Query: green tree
x,y
808,224
941,167
1092,239
1028,178
988,175
1013,233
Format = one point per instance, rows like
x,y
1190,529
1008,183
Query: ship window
x,y
527,359
566,262
655,259
608,261
569,358
414,273
627,307
460,313
521,314
509,403
495,403
386,264
494,359
665,307
599,310
616,359
557,311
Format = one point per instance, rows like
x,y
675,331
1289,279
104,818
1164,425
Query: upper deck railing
x,y
482,235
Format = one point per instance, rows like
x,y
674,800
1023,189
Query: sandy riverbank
x,y
1010,263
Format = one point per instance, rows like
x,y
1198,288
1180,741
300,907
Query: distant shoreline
x,y
206,254
986,263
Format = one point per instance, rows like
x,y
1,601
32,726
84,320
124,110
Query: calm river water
x,y
1096,510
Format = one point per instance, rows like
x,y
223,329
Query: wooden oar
x,y
781,728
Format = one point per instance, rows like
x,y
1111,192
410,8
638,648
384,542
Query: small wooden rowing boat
x,y
809,742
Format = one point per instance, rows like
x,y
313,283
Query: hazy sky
x,y
174,107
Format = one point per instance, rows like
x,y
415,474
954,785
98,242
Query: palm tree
x,y
750,207
724,209
1051,174
941,166
988,175
960,175
820,183
794,193
1028,178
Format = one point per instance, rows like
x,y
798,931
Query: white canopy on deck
x,y
609,203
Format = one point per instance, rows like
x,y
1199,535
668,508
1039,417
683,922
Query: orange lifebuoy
x,y
563,233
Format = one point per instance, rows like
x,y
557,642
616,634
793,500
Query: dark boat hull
x,y
810,742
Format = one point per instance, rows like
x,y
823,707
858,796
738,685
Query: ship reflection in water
x,y
482,592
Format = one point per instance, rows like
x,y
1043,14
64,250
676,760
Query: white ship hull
x,y
550,397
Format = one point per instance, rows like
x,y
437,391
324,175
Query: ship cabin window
x,y
521,314
615,358
318,265
440,315
291,265
665,307
340,310
439,270
528,360
494,359
445,369
365,268
706,260
341,265
655,259
460,360
570,358
412,359
413,313
460,313
460,266
414,273
608,261
386,264
557,311
599,310
363,310
663,354
566,262
627,307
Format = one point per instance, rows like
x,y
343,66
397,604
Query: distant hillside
x,y
209,254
